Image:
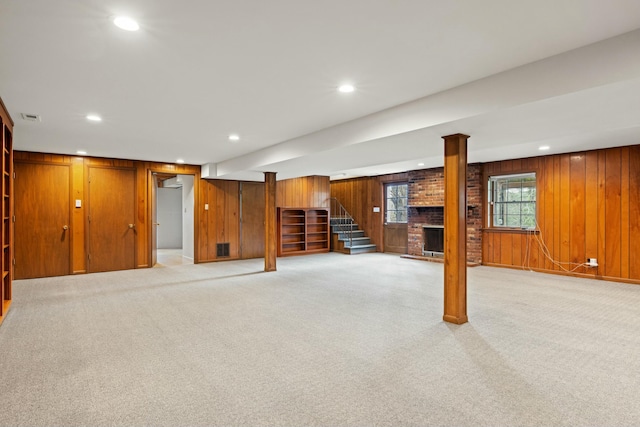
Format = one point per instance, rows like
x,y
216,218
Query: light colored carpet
x,y
326,340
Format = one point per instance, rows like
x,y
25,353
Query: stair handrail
x,y
344,218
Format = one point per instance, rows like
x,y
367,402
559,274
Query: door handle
x,y
65,227
132,226
156,223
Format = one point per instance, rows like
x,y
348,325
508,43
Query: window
x,y
512,201
396,202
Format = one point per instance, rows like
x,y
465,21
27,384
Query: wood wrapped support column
x,y
270,236
455,228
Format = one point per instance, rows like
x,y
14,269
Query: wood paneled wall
x,y
588,206
304,192
360,195
79,171
220,223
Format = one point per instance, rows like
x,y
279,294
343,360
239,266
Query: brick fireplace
x,y
426,208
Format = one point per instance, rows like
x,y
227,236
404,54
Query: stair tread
x,y
367,245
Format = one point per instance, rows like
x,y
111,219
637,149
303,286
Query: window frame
x,y
491,181
386,203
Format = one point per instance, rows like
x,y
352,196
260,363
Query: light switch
x,y
376,208
206,206
78,203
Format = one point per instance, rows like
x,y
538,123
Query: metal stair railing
x,y
344,220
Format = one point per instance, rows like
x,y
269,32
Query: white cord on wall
x,y
545,250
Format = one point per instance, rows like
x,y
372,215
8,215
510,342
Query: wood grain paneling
x,y
42,224
112,213
612,212
78,216
359,196
591,205
304,192
252,220
577,210
270,231
143,212
395,238
624,213
634,210
588,207
221,221
455,229
153,200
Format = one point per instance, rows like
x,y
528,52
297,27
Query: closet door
x,y
42,211
112,219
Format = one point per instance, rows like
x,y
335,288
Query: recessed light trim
x,y
543,148
94,118
126,23
420,164
346,88
234,137
180,161
81,152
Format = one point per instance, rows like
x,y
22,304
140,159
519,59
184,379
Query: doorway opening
x,y
174,219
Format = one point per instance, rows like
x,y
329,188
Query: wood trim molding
x,y
509,231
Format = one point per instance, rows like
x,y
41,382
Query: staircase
x,y
346,237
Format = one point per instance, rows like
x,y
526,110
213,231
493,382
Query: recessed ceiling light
x,y
346,88
420,164
126,23
81,152
234,137
94,118
543,148
180,161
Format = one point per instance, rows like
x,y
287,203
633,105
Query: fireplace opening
x,y
433,240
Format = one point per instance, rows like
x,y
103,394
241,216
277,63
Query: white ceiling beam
x,y
609,61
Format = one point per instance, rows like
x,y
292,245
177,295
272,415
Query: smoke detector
x,y
31,117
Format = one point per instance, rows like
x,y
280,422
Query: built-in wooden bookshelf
x,y
302,231
6,127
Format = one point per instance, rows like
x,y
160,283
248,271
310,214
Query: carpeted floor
x,y
326,340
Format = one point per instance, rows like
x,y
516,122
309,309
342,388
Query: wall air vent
x,y
31,117
222,250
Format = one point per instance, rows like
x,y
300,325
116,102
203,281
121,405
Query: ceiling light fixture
x,y
126,23
346,88
420,164
234,137
180,161
94,118
543,148
81,152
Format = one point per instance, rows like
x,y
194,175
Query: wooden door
x,y
111,219
153,182
252,217
42,235
395,225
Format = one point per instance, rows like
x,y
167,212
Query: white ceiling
x,y
512,74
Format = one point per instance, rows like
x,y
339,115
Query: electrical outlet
x,y
593,262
